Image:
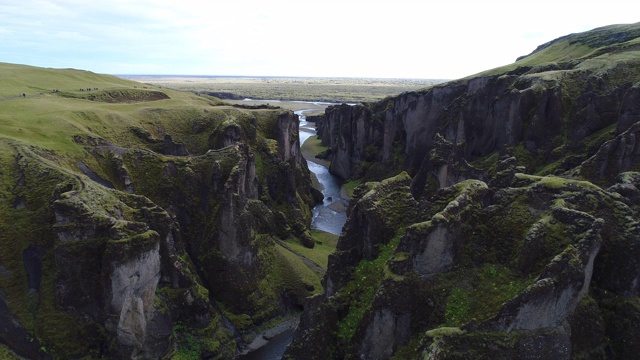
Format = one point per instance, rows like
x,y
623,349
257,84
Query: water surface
x,y
325,217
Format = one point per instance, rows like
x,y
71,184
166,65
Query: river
x,y
325,218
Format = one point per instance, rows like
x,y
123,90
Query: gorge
x,y
324,217
495,217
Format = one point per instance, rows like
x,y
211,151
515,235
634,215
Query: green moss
x,y
194,343
283,274
553,182
241,321
44,137
457,310
360,292
294,276
410,350
532,161
444,331
478,294
31,225
7,354
350,186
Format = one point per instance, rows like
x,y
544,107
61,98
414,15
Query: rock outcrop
x,y
159,248
489,261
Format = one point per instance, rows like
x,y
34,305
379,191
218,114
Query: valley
x,y
495,216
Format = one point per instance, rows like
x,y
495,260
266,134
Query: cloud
x,y
400,38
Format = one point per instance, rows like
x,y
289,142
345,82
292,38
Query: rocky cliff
x,y
498,214
156,237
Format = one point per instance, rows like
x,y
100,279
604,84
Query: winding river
x,y
330,215
325,218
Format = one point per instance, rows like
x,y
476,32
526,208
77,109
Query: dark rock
x,y
371,223
316,332
556,292
170,147
443,167
519,267
32,258
622,317
614,157
629,112
20,202
587,330
436,245
94,176
15,336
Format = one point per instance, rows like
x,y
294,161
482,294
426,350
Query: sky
x,y
445,39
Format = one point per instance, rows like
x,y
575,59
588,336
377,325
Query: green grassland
x,y
313,147
30,80
591,50
293,88
50,120
325,245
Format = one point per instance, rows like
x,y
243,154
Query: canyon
x,y
492,217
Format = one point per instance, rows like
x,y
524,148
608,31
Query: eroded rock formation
x,y
519,235
145,254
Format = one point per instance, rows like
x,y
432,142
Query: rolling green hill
x,y
31,80
590,50
50,120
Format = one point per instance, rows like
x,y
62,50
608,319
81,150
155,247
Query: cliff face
x,y
494,240
545,113
149,254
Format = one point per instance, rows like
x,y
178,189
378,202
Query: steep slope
x,y
498,215
547,107
139,222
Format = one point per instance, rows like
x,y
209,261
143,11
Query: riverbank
x,y
271,336
311,148
328,220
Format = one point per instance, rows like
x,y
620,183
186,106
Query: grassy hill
x,y
87,104
31,80
593,49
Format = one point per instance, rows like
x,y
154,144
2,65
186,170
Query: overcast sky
x,y
443,39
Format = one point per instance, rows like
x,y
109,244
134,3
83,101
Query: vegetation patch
x,y
122,96
350,186
312,148
360,292
325,244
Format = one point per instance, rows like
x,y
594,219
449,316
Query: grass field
x,y
291,88
311,148
325,245
50,120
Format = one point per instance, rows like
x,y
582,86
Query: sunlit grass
x,y
313,147
50,120
592,49
325,245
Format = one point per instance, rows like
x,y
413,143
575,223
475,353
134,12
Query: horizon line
x,y
280,76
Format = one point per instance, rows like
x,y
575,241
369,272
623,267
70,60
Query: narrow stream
x,y
325,218
329,216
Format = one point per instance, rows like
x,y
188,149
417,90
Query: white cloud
x,y
400,38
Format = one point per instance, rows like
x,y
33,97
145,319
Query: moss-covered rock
x,y
178,255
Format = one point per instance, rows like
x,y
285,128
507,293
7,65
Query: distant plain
x,y
334,90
